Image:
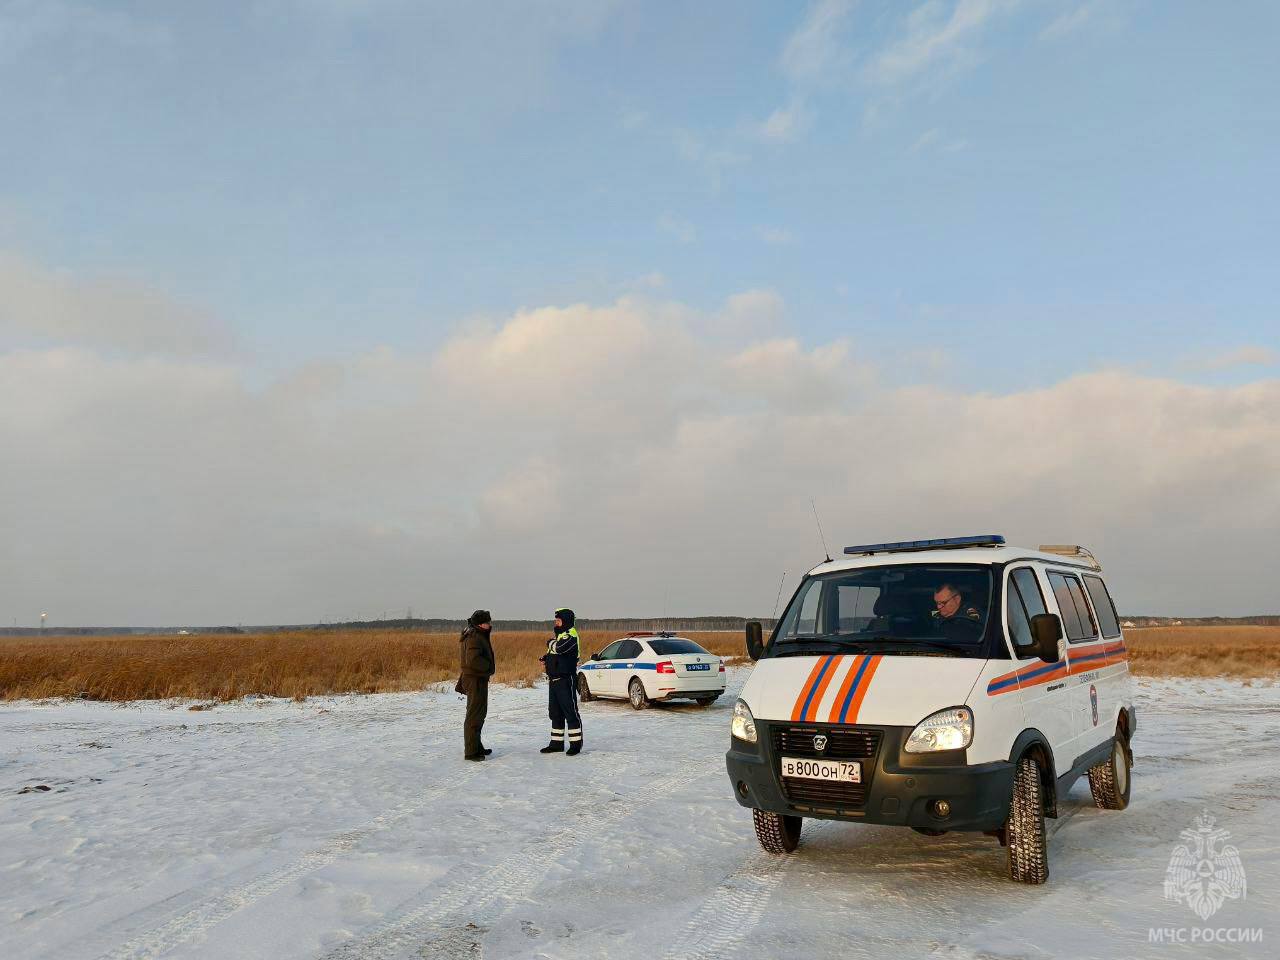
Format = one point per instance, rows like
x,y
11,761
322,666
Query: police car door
x,y
599,673
1082,632
1046,705
620,670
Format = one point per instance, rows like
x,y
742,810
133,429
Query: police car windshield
x,y
899,609
666,646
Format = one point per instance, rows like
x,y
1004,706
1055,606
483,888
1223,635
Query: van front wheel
x,y
777,832
1027,842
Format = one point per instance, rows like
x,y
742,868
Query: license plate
x,y
697,666
805,768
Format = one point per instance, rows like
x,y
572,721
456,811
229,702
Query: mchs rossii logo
x,y
1204,873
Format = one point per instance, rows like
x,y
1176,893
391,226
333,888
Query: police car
x,y
959,684
647,667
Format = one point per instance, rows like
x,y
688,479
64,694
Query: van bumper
x,y
901,789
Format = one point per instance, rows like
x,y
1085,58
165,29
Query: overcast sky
x,y
316,310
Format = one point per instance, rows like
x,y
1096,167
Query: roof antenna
x,y
825,552
778,599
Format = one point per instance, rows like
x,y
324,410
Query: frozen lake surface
x,y
351,827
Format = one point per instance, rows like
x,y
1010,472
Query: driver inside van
x,y
952,617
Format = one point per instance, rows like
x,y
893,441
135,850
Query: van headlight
x,y
950,729
744,724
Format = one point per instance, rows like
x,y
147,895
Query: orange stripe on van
x,y
863,687
812,713
843,693
798,710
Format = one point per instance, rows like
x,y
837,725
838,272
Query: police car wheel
x,y
1109,781
777,832
1028,846
584,691
635,693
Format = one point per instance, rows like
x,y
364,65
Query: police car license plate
x,y
842,771
697,666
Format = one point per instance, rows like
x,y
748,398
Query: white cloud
x,y
776,236
39,305
814,48
934,140
1247,356
785,124
1089,14
600,455
932,37
679,228
751,314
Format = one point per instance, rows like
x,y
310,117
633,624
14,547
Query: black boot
x,y
486,751
575,748
475,756
555,746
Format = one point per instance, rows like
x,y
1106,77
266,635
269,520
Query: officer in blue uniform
x,y
561,662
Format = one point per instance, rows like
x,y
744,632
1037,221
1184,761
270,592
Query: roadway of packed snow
x,y
351,827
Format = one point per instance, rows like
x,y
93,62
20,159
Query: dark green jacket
x,y
477,653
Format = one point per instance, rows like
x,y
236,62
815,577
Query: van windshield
x,y
905,608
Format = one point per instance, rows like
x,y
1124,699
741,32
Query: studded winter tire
x,y
777,832
1109,781
1028,846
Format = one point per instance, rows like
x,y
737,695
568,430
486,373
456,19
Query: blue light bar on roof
x,y
902,546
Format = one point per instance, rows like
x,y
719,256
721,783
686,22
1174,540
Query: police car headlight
x,y
950,729
744,724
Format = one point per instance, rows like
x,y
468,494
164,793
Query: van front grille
x,y
843,743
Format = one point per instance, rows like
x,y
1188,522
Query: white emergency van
x,y
958,684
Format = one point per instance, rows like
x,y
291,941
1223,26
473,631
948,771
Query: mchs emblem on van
x,y
943,685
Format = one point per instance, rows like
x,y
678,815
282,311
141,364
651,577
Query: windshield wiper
x,y
810,639
916,645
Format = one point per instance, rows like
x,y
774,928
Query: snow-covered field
x,y
351,827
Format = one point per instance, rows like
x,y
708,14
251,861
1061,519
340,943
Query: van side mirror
x,y
755,639
1046,631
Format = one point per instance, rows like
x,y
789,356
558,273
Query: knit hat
x,y
479,617
566,617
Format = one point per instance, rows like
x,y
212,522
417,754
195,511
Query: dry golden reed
x,y
226,667
229,666
1237,651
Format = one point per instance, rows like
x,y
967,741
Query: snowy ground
x,y
352,828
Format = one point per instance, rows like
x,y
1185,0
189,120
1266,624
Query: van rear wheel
x,y
1109,781
777,832
1028,845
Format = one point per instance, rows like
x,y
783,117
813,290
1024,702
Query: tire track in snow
x,y
448,922
727,916
210,911
213,911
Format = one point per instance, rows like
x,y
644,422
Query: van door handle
x,y
1056,686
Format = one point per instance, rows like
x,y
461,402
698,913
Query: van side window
x,y
1077,622
1016,618
1082,608
1102,605
1029,590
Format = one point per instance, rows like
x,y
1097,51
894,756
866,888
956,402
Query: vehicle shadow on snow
x,y
857,850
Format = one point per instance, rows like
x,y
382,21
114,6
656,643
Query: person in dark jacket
x,y
561,661
477,667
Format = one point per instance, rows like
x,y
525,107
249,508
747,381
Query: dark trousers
x,y
562,704
477,691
